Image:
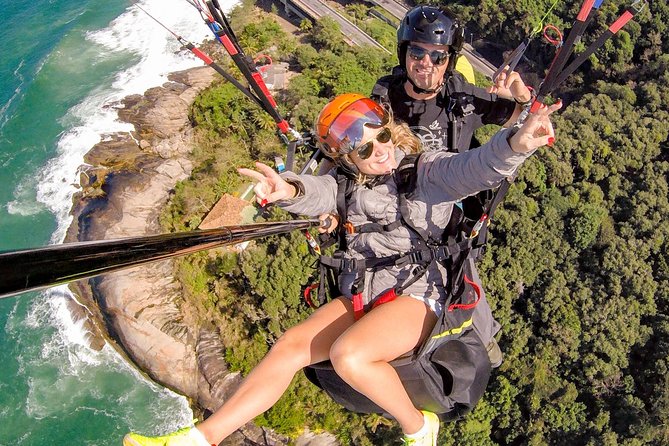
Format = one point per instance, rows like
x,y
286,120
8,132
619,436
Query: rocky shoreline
x,y
126,181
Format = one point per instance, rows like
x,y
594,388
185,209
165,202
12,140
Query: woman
x,y
365,144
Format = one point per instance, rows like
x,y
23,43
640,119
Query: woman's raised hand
x,y
536,131
270,187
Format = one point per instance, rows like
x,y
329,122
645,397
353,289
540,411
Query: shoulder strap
x,y
381,90
406,172
458,103
405,178
344,191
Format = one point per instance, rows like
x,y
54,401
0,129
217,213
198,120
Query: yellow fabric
x,y
456,330
465,68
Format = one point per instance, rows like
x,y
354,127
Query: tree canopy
x,y
577,271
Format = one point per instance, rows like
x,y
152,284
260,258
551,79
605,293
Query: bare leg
x,y
307,343
361,355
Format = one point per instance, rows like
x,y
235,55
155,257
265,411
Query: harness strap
x,y
477,291
373,227
502,190
359,308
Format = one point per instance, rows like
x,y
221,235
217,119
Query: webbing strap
x,y
376,227
358,306
502,190
477,291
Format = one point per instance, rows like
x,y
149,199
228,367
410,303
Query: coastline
x,y
127,179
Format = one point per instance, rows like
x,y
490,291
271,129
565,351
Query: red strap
x,y
477,290
358,307
386,297
307,294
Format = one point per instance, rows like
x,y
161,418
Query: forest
x,y
577,268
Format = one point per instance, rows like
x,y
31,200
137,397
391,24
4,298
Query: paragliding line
x,y
556,74
207,60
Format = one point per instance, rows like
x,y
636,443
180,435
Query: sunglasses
x,y
365,150
436,57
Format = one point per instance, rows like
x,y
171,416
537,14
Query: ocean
x,y
65,66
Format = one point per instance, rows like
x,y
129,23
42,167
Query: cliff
x,y
126,181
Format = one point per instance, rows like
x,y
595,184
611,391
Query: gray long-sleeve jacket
x,y
442,179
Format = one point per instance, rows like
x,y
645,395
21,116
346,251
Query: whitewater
x,y
63,81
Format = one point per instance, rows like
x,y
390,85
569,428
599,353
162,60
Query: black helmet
x,y
430,24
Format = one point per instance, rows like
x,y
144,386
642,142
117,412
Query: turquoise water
x,y
65,65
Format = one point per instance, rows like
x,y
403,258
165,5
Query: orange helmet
x,y
341,123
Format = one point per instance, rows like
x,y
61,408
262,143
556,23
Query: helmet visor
x,y
346,131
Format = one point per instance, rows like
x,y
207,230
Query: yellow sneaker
x,y
182,437
430,434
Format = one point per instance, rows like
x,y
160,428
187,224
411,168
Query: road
x,y
395,9
355,35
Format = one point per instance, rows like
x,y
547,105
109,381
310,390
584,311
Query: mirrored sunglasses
x,y
365,150
347,130
436,57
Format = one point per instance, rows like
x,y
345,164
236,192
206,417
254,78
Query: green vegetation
x,y
577,271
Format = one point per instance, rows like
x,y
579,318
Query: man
x,y
435,100
444,110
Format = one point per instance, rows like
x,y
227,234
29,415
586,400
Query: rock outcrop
x,y
126,182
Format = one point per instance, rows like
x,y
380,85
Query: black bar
x,y
513,59
37,268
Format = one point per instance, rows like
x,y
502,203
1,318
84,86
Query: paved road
x,y
395,9
318,9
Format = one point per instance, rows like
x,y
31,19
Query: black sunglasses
x,y
437,57
365,150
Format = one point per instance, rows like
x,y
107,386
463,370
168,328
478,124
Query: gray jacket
x,y
442,179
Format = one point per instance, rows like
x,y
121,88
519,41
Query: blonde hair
x,y
402,138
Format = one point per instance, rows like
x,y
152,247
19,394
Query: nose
x,y
380,148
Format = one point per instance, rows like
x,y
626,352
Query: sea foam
x,y
156,53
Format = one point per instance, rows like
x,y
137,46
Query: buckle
x,y
350,229
349,265
414,257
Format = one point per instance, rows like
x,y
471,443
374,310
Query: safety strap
x,y
359,307
621,21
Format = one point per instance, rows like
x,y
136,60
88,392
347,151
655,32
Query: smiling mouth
x,y
424,72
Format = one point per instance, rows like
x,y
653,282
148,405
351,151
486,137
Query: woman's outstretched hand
x,y
536,131
270,187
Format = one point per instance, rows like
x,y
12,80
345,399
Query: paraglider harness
x,y
459,105
457,102
448,374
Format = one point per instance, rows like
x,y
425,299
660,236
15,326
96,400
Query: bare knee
x,y
293,348
346,359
